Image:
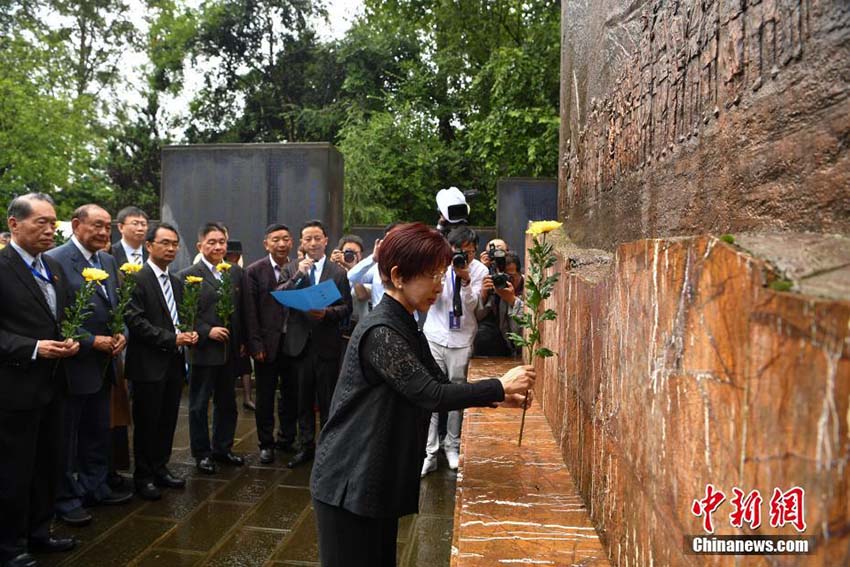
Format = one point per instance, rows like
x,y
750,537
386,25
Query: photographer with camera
x,y
450,328
500,300
348,254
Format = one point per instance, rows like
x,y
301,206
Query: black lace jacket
x,y
370,452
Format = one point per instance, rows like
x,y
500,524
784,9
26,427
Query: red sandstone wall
x,y
680,368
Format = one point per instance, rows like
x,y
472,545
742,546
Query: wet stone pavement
x,y
251,515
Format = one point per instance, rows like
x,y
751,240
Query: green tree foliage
x,y
44,133
418,95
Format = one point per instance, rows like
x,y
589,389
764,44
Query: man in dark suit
x,y
90,373
133,226
212,360
156,363
265,322
314,339
32,387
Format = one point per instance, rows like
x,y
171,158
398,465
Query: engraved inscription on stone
x,y
694,60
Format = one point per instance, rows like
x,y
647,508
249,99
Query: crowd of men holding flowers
x,y
82,320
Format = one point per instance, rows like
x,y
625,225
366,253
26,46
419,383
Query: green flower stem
x,y
539,287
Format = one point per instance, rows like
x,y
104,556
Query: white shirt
x,y
129,251
319,265
216,274
87,254
366,272
436,327
158,273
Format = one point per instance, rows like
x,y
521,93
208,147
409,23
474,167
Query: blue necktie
x,y
313,274
95,263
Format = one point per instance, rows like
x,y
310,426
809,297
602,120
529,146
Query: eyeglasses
x,y
436,276
167,243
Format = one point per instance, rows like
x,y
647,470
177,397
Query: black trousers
x,y
317,376
31,456
349,540
269,375
155,408
219,383
87,439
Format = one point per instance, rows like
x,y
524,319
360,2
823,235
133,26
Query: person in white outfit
x,y
450,329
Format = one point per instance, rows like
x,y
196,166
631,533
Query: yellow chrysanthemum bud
x,y
94,275
194,279
130,268
542,227
222,267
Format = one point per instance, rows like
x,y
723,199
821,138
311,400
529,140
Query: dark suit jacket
x,y
325,335
25,318
121,256
209,352
85,370
152,344
265,318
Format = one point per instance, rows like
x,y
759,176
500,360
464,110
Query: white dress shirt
x,y
366,272
436,327
129,251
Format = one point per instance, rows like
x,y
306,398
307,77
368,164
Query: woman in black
x,y
366,472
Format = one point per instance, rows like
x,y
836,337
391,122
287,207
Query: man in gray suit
x,y
90,373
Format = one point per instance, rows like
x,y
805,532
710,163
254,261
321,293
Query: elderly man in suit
x,y
133,226
90,373
32,386
156,363
314,339
265,325
212,360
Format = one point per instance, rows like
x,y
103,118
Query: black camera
x,y
458,259
349,256
498,265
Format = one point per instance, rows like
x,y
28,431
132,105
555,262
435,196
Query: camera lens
x,y
349,256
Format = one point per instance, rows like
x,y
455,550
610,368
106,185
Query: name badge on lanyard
x,y
454,320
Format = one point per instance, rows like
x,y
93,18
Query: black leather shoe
x,y
301,457
230,459
207,466
286,447
168,480
22,560
119,482
52,544
148,491
267,456
77,517
115,498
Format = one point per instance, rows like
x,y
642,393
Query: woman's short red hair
x,y
415,249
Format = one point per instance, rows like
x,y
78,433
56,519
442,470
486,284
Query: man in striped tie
x,y
156,363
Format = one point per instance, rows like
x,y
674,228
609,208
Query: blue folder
x,y
313,297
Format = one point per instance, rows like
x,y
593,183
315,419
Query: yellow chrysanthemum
x,y
222,267
130,268
94,275
194,279
2,246
57,224
542,227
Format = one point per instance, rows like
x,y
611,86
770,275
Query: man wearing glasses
x,y
133,225
450,329
156,362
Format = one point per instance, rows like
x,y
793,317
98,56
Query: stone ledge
x,y
517,505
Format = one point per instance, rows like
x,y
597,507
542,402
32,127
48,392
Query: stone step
x,y
517,505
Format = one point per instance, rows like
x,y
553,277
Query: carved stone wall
x,y
677,367
694,116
